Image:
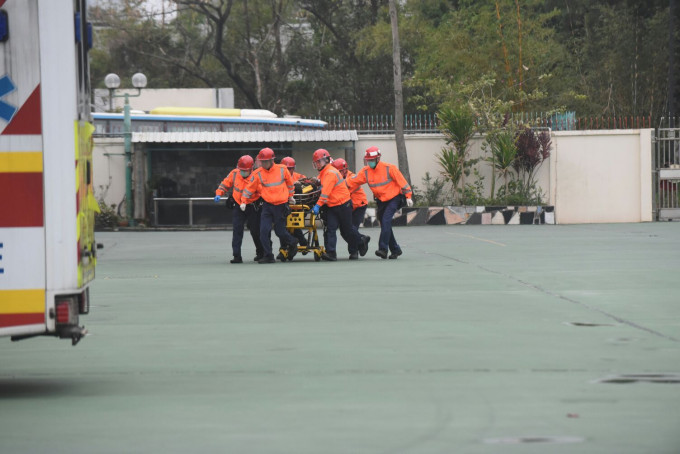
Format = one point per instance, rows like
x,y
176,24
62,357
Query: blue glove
x,y
217,198
315,210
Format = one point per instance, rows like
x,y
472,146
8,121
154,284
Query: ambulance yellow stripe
x,y
21,162
22,301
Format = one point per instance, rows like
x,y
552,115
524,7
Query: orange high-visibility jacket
x,y
334,191
386,181
297,176
358,195
234,182
274,185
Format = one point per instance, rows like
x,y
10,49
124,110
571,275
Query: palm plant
x,y
503,157
458,127
450,163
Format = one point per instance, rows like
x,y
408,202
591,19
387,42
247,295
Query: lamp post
x,y
112,82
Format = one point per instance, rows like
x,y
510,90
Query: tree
x,y
326,57
402,156
516,48
619,51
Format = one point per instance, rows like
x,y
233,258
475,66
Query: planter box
x,y
483,215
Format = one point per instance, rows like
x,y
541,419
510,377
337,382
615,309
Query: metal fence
x,y
430,123
666,172
384,124
189,211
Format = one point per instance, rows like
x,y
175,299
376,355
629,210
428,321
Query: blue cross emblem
x,y
7,111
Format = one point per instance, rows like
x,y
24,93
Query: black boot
x,y
292,250
329,256
382,253
363,245
267,259
395,254
354,256
236,259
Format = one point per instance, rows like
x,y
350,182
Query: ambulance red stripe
x,y
21,319
23,198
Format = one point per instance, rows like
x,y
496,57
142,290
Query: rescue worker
x,y
274,183
233,185
389,188
290,164
335,195
359,203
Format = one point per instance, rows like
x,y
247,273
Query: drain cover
x,y
641,378
532,440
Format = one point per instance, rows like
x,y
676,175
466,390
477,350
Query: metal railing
x,y
210,213
431,124
384,124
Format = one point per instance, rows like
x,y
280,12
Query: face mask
x,y
245,173
372,164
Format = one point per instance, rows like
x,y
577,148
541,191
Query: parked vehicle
x,y
47,204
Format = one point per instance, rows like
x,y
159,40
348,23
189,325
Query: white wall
x,y
602,176
591,176
422,152
108,161
150,98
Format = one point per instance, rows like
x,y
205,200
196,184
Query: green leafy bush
x,y
107,218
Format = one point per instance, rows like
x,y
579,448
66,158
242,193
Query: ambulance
x,y
47,206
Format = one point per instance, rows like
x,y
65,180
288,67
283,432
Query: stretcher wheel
x,y
317,256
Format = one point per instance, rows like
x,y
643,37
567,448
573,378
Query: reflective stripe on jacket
x,y
358,195
233,183
386,181
334,191
274,185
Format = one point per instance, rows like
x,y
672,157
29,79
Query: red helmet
x,y
340,164
288,162
372,153
320,158
245,163
265,154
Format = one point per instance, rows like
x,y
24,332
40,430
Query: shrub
x,y
107,218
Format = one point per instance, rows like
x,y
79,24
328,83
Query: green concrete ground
x,y
469,343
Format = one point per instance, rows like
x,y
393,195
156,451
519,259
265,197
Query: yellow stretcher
x,y
303,219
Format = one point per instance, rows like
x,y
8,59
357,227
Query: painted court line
x,y
476,238
562,297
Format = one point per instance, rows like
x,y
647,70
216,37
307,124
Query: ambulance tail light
x,y
66,308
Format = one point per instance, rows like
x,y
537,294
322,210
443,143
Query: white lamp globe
x,y
139,80
112,81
